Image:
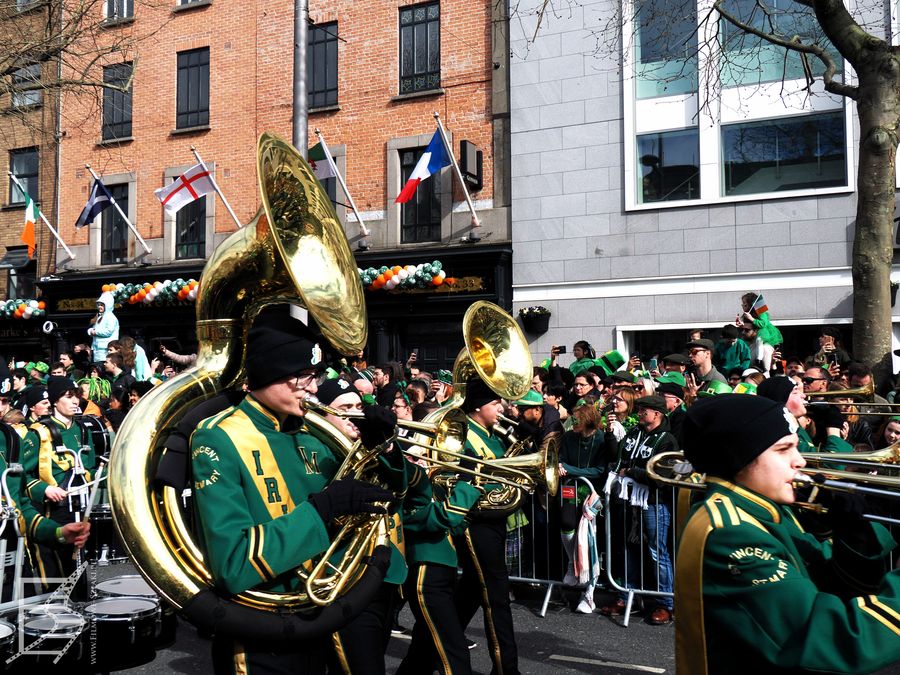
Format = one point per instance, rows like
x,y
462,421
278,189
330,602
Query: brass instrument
x,y
883,459
671,468
865,394
293,251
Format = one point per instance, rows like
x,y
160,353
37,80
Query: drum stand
x,y
8,512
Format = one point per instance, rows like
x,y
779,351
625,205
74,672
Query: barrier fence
x,y
635,546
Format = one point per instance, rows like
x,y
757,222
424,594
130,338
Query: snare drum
x,y
58,632
121,632
133,585
7,636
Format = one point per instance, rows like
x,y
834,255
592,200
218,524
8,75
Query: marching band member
x,y
58,458
757,594
262,491
482,548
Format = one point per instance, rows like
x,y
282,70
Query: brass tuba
x,y
293,251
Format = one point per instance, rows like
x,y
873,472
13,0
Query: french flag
x,y
432,160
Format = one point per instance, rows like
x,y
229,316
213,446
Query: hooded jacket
x,y
106,329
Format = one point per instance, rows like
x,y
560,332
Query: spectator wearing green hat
x,y
714,388
537,419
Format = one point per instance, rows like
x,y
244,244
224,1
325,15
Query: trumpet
x,y
671,468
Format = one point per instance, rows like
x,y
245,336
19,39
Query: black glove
x,y
825,416
846,511
376,426
347,496
465,476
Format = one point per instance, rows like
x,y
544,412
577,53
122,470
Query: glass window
x,y
24,165
749,60
321,65
119,9
117,104
193,89
670,166
114,230
794,153
420,48
22,81
666,47
420,217
190,230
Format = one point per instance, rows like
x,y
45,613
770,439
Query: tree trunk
x,y
878,106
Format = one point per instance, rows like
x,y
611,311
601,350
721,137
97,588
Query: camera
x,y
561,349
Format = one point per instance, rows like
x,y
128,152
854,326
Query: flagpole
x,y
362,227
137,235
53,231
462,183
216,188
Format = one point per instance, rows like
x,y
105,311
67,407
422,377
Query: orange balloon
x,y
389,274
42,305
396,269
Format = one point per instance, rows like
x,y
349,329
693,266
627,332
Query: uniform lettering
x,y
272,490
204,450
751,552
259,471
780,573
310,462
209,480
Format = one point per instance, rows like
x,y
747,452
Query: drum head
x,y
7,630
62,625
121,608
49,608
128,584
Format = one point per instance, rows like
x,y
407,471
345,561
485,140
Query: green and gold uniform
x,y
482,555
45,467
756,594
251,481
428,520
831,444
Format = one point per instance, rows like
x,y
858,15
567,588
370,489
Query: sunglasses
x,y
810,380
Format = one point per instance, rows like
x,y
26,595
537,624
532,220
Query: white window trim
x,y
128,4
169,219
643,116
95,227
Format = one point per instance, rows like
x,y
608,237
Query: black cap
x,y
702,343
623,376
776,388
331,389
657,403
729,331
34,395
278,345
680,359
477,394
723,434
57,385
672,388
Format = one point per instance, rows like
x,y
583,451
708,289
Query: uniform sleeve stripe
x,y
261,538
251,554
452,508
880,612
731,511
714,514
750,520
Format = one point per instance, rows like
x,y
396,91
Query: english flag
x,y
432,160
191,185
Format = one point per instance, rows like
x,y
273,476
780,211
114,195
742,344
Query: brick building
x,y
216,74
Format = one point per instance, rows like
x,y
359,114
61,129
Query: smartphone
x,y
562,349
654,364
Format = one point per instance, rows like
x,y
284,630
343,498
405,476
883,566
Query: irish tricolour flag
x,y
432,160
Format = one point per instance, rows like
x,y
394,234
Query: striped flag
x,y
432,160
759,306
32,213
191,185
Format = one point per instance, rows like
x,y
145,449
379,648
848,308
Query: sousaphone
x,y
293,251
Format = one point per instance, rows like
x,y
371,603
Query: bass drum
x,y
133,585
122,632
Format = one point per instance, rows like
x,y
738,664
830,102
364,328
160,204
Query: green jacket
x,y
750,588
831,444
428,519
31,523
251,482
44,466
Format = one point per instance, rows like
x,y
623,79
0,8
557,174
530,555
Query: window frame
x,y
36,176
427,22
186,70
114,101
199,243
170,229
111,217
326,35
26,74
429,190
393,229
747,103
127,13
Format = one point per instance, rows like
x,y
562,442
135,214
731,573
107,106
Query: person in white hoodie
x,y
105,328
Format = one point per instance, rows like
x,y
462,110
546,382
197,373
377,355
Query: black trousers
x,y
485,583
231,657
438,640
360,645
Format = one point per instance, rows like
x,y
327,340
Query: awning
x,y
16,257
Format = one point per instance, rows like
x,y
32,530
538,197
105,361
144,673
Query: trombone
x,y
446,434
671,468
864,395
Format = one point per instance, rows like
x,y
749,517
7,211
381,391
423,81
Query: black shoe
x,y
398,629
471,644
